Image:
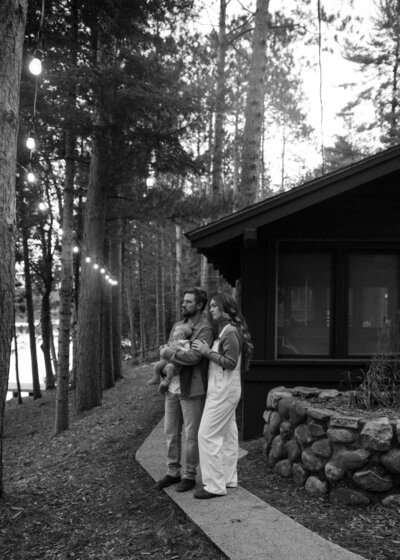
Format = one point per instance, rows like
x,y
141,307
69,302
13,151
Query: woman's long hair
x,y
231,312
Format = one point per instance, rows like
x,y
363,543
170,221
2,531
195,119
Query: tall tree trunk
x,y
89,374
88,382
76,287
254,113
178,271
142,325
163,317
107,362
12,26
217,157
67,287
129,286
236,157
19,397
115,235
66,290
204,272
46,326
283,157
158,289
31,318
53,351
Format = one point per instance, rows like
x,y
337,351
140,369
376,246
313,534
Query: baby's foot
x,y
163,387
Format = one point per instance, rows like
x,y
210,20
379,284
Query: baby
x,y
163,370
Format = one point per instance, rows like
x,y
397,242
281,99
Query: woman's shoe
x,y
203,494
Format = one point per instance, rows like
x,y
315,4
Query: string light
x,y
35,68
31,177
30,141
35,65
94,263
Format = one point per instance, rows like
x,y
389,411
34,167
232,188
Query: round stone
x,y
284,468
316,487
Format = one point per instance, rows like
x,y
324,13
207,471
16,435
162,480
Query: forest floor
x,y
81,495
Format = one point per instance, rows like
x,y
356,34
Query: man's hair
x,y
200,296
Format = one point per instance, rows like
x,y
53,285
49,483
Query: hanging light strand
x,y
35,67
94,264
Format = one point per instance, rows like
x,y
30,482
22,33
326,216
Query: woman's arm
x,y
228,350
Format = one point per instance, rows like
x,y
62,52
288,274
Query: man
x,y
184,399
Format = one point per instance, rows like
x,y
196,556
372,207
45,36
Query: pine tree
x,y
12,25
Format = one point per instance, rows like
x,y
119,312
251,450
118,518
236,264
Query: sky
x,y
335,71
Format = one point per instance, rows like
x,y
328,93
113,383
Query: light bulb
x,y
95,266
87,259
30,141
31,177
76,249
35,65
102,270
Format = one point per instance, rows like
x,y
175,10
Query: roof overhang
x,y
220,232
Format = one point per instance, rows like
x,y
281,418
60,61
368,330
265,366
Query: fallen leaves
x,y
81,495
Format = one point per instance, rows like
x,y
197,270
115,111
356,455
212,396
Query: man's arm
x,y
189,357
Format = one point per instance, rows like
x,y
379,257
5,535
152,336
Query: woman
x,y
218,434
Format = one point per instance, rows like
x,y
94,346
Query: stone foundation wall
x,y
350,459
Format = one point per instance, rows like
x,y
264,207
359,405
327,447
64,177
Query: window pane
x,y
304,305
373,304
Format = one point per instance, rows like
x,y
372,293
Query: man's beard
x,y
187,314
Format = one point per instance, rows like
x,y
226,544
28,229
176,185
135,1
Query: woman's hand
x,y
201,346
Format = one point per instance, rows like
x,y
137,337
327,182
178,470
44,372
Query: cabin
x,y
319,274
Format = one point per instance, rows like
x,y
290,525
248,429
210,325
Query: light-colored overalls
x,y
218,434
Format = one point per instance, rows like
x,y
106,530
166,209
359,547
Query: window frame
x,y
340,251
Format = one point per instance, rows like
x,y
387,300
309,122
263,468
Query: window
x,y
304,304
373,304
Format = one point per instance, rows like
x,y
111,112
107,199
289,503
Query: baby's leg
x,y
168,372
158,367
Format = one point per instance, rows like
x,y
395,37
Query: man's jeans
x,y
184,413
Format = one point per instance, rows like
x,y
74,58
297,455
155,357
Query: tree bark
x,y
46,326
129,287
162,265
12,26
178,271
31,318
88,382
67,285
107,361
254,113
115,236
142,323
66,291
89,372
217,175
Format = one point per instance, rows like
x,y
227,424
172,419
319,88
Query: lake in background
x,y
24,360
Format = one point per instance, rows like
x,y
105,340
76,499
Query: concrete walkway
x,y
240,524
